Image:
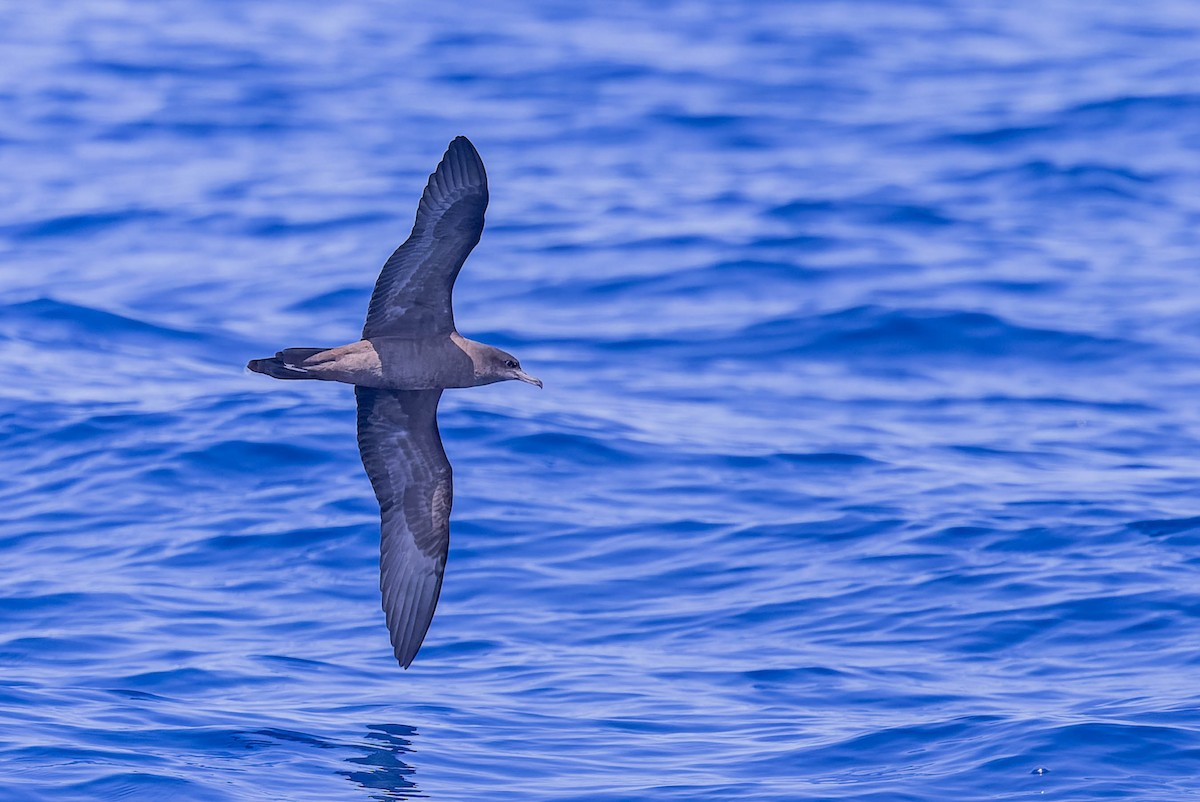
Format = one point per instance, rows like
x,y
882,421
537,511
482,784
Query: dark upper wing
x,y
402,452
412,295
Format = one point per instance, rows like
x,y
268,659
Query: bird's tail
x,y
287,364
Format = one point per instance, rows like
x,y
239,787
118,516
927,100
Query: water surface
x,y
866,467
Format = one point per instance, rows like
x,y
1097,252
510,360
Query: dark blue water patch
x,y
38,606
807,209
140,696
848,527
766,679
681,242
1084,181
1037,460
704,122
1130,114
98,428
295,666
147,785
881,754
886,208
798,243
271,547
1034,402
271,735
347,299
220,740
279,226
177,682
175,130
1015,287
1128,751
1033,539
1167,526
818,461
80,225
577,448
251,457
1136,112
876,333
179,59
47,321
76,650
586,75
932,334
726,277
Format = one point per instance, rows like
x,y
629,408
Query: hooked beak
x,y
525,377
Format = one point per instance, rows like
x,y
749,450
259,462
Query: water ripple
x,y
865,467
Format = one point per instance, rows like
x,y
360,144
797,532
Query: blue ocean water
x,y
867,466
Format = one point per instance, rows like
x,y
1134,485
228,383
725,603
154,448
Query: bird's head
x,y
498,366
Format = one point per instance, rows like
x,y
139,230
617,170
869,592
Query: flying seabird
x,y
409,352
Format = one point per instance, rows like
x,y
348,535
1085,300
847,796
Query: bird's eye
x,y
512,363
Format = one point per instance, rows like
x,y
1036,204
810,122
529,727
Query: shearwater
x,y
409,352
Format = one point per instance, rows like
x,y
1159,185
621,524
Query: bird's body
x,y
389,363
409,352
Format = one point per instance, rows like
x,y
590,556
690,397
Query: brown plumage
x,y
409,352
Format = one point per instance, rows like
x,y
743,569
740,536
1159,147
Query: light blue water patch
x,y
866,467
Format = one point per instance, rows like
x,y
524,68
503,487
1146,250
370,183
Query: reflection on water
x,y
383,772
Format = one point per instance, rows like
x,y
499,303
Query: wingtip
x,y
461,168
404,661
466,153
